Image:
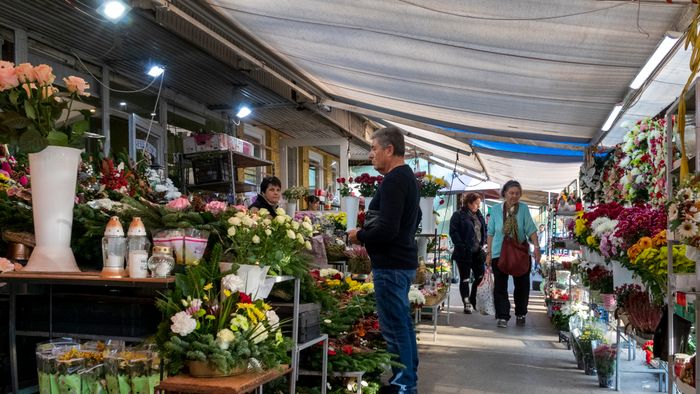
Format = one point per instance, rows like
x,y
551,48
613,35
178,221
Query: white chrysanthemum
x,y
672,212
263,212
328,272
624,162
300,238
224,338
280,212
240,214
291,234
232,283
234,221
295,225
231,231
307,219
183,324
688,229
266,222
635,171
272,319
256,239
279,219
307,245
268,232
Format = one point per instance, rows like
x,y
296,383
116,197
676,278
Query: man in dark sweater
x,y
390,241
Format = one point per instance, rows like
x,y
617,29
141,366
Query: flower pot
x,y
609,301
203,369
54,172
606,381
352,207
427,222
291,208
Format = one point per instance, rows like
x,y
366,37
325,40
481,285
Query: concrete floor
x,y
472,355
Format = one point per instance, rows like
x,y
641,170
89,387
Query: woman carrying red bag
x,y
508,229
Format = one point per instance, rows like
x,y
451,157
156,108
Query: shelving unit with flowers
x,y
683,222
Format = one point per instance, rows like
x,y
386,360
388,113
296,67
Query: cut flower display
x,y
211,319
429,185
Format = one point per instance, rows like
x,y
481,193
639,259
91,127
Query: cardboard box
x,y
208,142
243,147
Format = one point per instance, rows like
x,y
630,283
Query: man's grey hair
x,y
393,136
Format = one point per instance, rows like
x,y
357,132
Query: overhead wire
x,y
107,87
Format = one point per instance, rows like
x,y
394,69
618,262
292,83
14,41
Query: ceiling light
x,y
659,54
113,10
243,111
156,71
613,115
123,104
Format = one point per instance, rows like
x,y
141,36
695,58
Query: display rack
x,y
17,283
227,181
674,285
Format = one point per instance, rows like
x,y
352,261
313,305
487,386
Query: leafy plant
x,y
294,193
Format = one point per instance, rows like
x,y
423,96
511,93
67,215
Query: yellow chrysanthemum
x,y
591,241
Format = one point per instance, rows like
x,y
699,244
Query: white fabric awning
x,y
538,69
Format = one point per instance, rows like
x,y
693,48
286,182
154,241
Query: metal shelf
x,y
238,159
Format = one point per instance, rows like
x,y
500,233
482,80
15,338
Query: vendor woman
x,y
269,196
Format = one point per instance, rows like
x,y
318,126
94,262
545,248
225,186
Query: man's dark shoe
x,y
520,321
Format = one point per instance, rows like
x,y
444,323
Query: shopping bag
x,y
484,294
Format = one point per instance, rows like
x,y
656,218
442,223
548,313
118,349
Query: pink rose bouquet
x,y
38,112
215,207
178,204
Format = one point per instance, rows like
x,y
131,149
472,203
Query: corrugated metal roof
x,y
197,67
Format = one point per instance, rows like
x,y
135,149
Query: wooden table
x,y
238,384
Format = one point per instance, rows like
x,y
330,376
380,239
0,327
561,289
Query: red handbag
x,y
515,257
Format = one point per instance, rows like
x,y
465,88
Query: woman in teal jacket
x,y
507,217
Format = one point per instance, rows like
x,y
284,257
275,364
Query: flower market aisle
x,y
473,356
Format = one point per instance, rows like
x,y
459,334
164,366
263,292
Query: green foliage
x,y
15,215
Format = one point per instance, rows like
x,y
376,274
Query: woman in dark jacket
x,y
468,234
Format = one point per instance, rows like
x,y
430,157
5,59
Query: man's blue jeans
x,y
391,288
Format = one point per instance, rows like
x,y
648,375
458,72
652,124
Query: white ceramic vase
x,y
54,171
427,222
352,208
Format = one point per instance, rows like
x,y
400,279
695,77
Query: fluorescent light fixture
x,y
123,104
613,115
156,71
113,10
243,111
659,54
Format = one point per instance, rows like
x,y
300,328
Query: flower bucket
x,y
203,369
622,275
291,208
352,208
609,301
368,200
54,173
427,222
606,381
595,296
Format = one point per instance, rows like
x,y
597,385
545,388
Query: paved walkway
x,y
471,355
